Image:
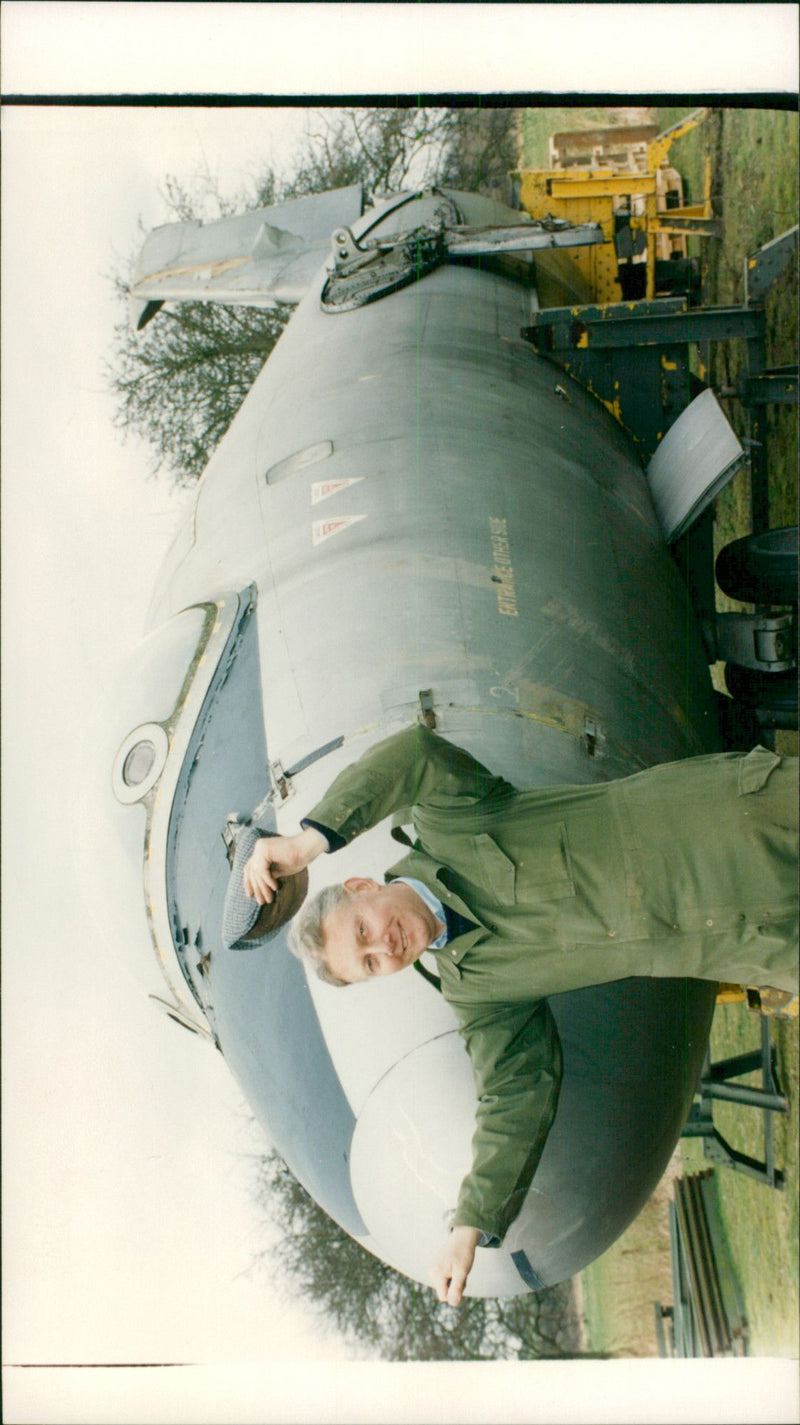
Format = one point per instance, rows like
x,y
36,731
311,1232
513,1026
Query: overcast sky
x,y
128,1214
132,1210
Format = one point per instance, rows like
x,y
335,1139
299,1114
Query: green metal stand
x,y
715,1083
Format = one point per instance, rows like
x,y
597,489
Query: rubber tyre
x,y
761,568
774,691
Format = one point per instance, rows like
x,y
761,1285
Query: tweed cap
x,y
246,925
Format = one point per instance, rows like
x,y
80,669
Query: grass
x,y
619,1289
754,157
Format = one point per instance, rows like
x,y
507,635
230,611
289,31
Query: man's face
x,y
377,930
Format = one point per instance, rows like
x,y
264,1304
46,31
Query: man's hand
x,y
454,1264
275,857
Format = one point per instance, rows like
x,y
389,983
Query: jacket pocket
x,y
495,871
540,871
544,869
756,768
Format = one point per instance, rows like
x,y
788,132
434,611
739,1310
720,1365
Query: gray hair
x,y
306,935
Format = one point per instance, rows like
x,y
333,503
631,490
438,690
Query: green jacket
x,y
674,871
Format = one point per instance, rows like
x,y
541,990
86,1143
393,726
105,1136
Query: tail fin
x,y
257,259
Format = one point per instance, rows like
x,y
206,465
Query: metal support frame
x,y
768,388
715,1083
614,326
634,356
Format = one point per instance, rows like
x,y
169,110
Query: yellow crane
x,y
620,177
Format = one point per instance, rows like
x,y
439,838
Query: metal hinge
x,y
758,641
426,713
282,782
284,785
594,736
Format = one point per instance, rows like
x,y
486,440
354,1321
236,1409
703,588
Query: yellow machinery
x,y
619,177
778,1003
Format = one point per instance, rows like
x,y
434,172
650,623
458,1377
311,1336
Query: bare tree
x,y
385,149
482,150
387,1314
180,382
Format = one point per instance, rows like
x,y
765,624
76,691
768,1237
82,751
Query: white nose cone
x,y
410,1150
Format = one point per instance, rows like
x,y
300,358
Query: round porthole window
x,y
139,762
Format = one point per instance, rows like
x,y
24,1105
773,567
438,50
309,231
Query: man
x,y
687,869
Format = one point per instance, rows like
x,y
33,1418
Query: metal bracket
x,y
762,268
594,736
778,386
281,781
754,640
347,255
427,714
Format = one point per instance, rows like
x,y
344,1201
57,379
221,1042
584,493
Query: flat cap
x,y
246,925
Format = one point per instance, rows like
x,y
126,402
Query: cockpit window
x,y
224,772
257,1002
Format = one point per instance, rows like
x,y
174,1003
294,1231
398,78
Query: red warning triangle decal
x,y
323,489
325,529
